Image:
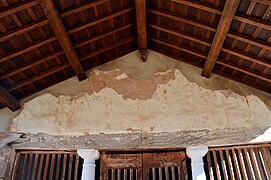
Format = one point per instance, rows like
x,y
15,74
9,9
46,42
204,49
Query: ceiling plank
x,y
141,28
27,48
82,7
8,100
181,19
253,21
220,36
256,75
99,20
243,18
247,57
31,64
18,7
63,38
250,40
23,29
179,34
198,6
102,35
107,47
40,76
178,48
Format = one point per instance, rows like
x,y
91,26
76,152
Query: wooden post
x,y
220,36
141,28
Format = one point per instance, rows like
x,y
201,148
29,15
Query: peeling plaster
x,y
114,103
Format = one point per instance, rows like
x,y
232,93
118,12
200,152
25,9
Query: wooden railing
x,y
239,162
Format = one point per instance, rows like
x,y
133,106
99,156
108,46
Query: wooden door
x,y
144,166
121,167
164,166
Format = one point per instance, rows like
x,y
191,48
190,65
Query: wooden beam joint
x,y
141,28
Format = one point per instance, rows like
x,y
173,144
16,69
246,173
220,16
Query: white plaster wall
x,y
6,117
71,108
114,103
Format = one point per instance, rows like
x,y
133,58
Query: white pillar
x,y
196,154
89,156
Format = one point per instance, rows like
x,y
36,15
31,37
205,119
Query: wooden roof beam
x,y
232,52
181,19
178,48
18,7
239,17
27,48
8,100
53,70
198,6
31,64
179,34
82,7
141,28
245,71
23,29
107,48
43,74
220,36
102,35
63,38
246,56
100,20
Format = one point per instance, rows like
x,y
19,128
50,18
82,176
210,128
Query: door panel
x,y
164,166
121,167
146,166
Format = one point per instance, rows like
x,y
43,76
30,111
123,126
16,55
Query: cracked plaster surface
x,y
113,103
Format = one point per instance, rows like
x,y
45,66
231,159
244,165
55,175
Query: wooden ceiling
x,y
44,42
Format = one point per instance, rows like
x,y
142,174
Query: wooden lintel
x,y
8,100
63,37
220,36
141,28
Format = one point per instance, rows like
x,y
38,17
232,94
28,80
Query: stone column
x,y
196,154
89,156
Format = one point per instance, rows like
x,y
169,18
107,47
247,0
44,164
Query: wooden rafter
x,y
40,76
180,34
18,7
27,48
23,29
83,7
63,38
220,36
102,35
239,17
97,21
198,6
141,28
178,47
106,48
233,52
8,100
31,64
245,71
181,19
66,65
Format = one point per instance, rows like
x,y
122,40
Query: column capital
x,y
196,151
88,154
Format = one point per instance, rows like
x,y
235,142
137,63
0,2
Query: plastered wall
x,y
126,96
